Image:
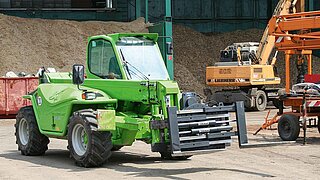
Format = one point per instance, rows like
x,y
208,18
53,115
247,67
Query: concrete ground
x,y
289,161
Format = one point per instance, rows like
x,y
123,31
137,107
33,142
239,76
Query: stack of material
x,y
28,44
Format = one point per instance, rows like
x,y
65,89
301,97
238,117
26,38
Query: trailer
x,y
11,91
297,34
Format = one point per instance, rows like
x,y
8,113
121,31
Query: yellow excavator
x,y
248,67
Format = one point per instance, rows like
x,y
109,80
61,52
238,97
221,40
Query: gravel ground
x,y
289,161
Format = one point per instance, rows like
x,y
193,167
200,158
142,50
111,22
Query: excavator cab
x,y
238,54
228,56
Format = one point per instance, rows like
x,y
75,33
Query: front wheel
x,y
28,137
166,154
289,127
88,147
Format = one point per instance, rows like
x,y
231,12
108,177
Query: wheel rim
x,y
261,102
286,128
79,139
23,131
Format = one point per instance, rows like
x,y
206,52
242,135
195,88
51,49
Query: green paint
x,y
106,120
85,138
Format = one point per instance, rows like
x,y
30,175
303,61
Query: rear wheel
x,y
261,101
88,147
289,127
28,137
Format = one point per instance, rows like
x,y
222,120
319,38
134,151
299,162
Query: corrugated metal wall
x,y
202,15
215,15
222,15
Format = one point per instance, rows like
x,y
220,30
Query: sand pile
x,y
27,44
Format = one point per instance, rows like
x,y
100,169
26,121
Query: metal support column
x,y
168,33
164,29
311,6
147,10
287,64
138,9
309,57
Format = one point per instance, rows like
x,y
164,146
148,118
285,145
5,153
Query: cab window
x,y
102,60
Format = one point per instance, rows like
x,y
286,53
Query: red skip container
x,y
11,92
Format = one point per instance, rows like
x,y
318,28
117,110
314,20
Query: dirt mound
x,y
27,44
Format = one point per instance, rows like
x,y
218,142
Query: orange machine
x,y
297,34
249,67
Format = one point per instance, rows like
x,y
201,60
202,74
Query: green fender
x,y
53,104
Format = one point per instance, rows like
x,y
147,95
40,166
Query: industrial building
x,y
202,15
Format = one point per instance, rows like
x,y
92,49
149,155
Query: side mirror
x,y
77,74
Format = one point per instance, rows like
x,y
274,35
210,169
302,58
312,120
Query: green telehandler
x,y
124,95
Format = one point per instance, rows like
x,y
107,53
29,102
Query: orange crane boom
x,y
296,34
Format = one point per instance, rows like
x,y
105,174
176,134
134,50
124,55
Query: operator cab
x,y
131,58
102,60
142,59
230,57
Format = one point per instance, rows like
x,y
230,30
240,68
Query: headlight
x,y
168,100
89,95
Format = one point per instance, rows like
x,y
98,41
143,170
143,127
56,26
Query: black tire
x,y
116,148
260,101
97,148
28,137
168,156
289,127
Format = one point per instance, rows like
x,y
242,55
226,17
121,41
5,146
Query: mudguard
x,y
53,104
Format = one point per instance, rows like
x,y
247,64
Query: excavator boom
x,y
297,31
266,46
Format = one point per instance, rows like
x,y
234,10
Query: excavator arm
x,y
266,46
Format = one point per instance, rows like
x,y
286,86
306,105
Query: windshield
x,y
143,60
